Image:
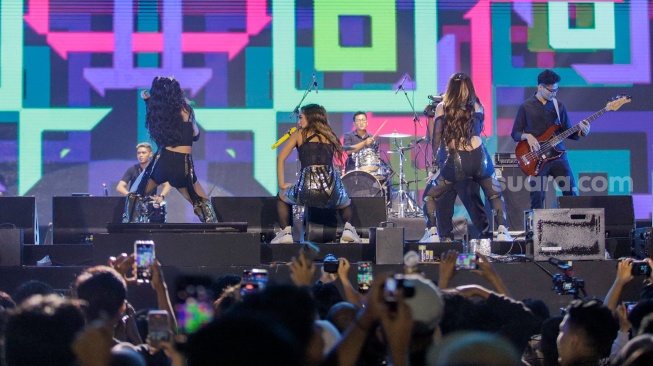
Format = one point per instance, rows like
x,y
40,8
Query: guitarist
x,y
534,117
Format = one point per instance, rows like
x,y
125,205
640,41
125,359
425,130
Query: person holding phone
x,y
171,123
318,184
461,152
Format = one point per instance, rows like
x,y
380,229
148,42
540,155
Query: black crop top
x,y
477,127
187,132
315,153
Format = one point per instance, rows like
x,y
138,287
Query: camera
x,y
393,284
640,268
331,263
567,285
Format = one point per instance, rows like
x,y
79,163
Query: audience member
x,y
586,333
32,287
637,352
474,349
41,331
342,315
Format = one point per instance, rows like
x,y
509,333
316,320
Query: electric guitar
x,y
532,162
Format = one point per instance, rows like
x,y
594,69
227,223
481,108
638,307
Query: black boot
x,y
204,210
133,208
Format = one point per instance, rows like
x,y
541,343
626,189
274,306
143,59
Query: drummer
x,y
355,141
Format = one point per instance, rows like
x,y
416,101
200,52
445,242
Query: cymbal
x,y
400,149
395,135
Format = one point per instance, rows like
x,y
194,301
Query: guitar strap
x,y
555,104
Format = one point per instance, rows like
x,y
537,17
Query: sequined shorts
x,y
318,186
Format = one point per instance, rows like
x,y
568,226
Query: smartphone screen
x,y
629,306
158,327
144,253
390,290
364,276
464,261
259,276
193,302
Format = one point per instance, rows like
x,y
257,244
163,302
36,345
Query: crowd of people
x,y
404,319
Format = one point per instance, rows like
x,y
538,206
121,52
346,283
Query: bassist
x,y
534,117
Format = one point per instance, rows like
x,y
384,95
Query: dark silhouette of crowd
x,y
403,319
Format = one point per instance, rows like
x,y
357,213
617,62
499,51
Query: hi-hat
x,y
395,135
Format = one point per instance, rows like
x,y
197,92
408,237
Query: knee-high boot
x,y
133,208
204,210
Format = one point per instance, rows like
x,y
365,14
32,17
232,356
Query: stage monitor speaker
x,y
619,211
75,219
323,226
567,234
642,246
389,244
260,213
516,195
20,213
11,244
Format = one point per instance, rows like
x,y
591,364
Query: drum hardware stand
x,y
406,203
298,210
403,195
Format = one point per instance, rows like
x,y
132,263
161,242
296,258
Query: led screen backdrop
x,y
71,72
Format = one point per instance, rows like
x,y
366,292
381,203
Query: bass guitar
x,y
532,162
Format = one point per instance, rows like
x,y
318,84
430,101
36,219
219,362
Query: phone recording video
x,y
158,328
640,268
193,302
256,275
364,277
392,285
629,306
144,253
464,261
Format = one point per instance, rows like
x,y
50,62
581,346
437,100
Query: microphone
x,y
106,191
315,84
283,138
401,86
436,98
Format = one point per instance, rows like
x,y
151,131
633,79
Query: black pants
x,y
470,196
560,170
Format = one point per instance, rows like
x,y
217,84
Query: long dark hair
x,y
316,117
459,105
164,106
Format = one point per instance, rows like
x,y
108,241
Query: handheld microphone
x,y
436,98
283,138
401,86
315,84
106,191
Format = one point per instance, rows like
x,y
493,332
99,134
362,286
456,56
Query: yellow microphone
x,y
283,138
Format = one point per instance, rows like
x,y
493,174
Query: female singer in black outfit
x,y
318,185
171,122
461,152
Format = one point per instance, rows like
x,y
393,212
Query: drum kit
x,y
372,177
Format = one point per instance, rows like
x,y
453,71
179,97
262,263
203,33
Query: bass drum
x,y
362,184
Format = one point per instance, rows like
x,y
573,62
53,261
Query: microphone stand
x,y
298,212
411,202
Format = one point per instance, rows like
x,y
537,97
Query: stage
x,y
220,253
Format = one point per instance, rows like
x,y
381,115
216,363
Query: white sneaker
x,y
430,236
503,234
349,234
283,237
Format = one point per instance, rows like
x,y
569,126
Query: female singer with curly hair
x,y
171,123
461,152
318,185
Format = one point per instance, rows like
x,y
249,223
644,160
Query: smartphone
x,y
390,290
365,276
193,302
640,268
158,327
144,253
257,275
629,306
464,261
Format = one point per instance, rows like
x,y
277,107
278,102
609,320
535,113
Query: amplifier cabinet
x,y
567,234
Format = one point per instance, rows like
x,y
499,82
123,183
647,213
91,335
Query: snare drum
x,y
368,160
362,184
